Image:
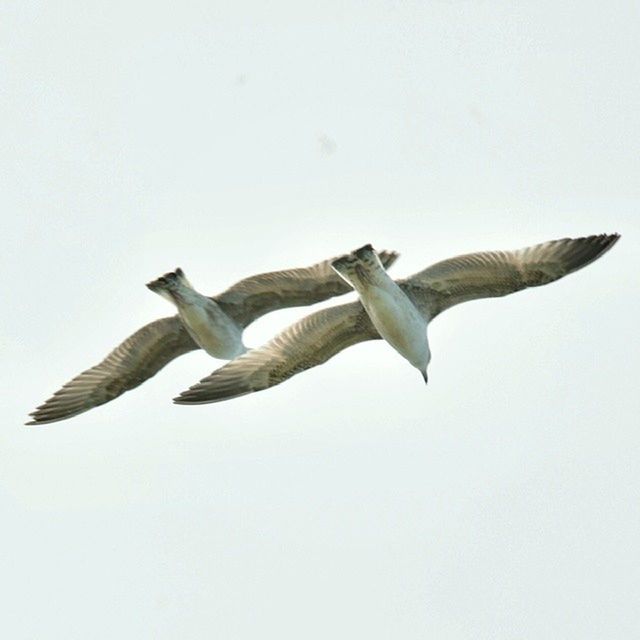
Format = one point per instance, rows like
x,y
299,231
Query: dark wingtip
x,y
37,422
604,242
609,239
183,399
183,396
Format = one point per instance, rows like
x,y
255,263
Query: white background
x,y
501,501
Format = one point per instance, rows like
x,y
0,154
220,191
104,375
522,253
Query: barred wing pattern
x,y
135,360
305,344
257,295
499,273
148,350
318,337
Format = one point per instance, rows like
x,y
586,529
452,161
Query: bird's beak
x,y
426,378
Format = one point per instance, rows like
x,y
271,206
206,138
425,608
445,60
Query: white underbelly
x,y
219,337
398,322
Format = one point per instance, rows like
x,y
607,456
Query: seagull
x,y
214,324
390,310
397,311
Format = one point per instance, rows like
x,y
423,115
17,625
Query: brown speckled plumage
x,y
321,335
156,344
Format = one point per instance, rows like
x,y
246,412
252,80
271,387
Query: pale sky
x,y
499,502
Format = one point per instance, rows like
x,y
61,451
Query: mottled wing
x,y
498,273
253,297
305,344
137,359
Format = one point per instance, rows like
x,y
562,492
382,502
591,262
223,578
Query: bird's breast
x,y
213,331
397,321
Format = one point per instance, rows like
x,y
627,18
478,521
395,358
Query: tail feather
x,y
168,283
359,266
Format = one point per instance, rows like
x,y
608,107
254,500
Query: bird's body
x,y
392,313
398,313
209,326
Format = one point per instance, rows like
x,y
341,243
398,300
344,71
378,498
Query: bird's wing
x,y
498,273
252,297
138,358
305,344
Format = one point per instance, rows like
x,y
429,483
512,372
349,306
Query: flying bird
x,y
214,324
397,311
390,310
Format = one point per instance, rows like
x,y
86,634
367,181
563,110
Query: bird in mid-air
x,y
398,311
214,324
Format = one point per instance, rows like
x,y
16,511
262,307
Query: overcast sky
x,y
499,502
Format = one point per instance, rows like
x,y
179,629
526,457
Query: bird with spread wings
x,y
149,349
320,336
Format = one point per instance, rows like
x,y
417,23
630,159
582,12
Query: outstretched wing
x,y
305,344
257,295
138,358
498,273
148,350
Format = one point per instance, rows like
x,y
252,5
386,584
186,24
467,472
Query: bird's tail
x,y
168,284
359,268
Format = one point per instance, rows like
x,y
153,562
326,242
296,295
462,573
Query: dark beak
x,y
426,378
